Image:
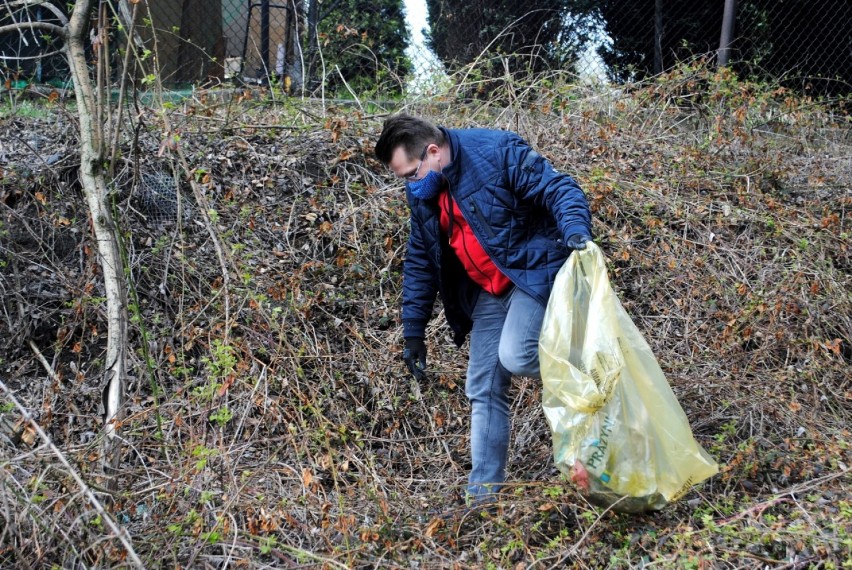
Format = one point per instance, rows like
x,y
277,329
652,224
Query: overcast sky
x,y
416,17
425,62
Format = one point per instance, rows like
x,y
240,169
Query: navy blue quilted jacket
x,y
520,209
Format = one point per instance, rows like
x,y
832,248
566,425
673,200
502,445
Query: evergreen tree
x,y
805,44
648,36
363,41
520,36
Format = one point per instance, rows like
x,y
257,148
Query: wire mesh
x,y
160,201
265,41
361,44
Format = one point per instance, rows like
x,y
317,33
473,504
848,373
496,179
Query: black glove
x,y
414,355
578,241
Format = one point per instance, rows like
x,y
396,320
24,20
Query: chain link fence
x,y
381,45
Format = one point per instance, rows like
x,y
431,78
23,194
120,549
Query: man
x,y
491,224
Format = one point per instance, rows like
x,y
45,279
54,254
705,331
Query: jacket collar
x,y
451,171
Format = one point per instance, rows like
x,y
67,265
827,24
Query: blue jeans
x,y
503,342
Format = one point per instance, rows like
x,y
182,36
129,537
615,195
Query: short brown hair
x,y
412,133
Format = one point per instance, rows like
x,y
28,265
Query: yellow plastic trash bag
x,y
618,430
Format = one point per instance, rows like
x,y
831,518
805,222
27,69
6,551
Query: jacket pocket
x,y
485,225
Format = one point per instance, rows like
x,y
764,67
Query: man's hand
x,y
414,355
578,241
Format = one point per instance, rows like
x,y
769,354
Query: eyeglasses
x,y
413,177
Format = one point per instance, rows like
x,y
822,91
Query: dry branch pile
x,y
270,422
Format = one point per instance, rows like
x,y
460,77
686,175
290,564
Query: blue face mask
x,y
427,187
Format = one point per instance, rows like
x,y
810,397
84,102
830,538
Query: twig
x,y
130,21
576,546
351,92
93,500
813,483
45,363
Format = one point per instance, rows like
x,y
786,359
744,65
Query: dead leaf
x,y
815,288
291,520
434,525
447,382
28,435
223,389
440,418
830,220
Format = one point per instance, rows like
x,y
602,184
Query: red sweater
x,y
476,262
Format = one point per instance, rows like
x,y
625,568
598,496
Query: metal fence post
x,y
728,22
264,37
658,36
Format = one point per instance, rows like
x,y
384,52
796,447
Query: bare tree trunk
x,y
92,175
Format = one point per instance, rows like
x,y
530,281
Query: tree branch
x,y
127,17
22,26
57,12
31,57
45,363
25,4
79,69
87,491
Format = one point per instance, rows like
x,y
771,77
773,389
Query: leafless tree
x,y
94,142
